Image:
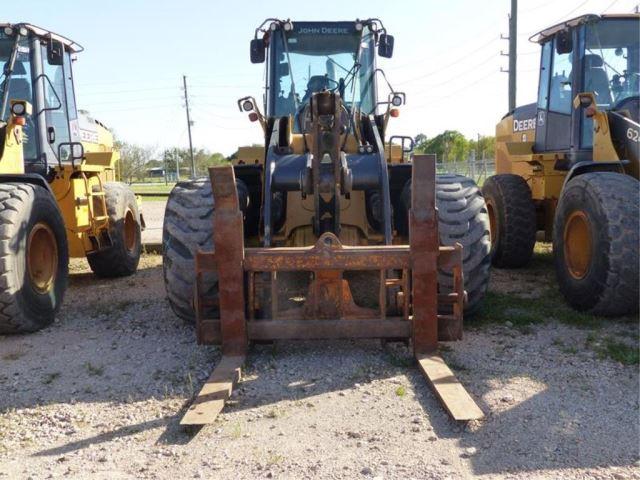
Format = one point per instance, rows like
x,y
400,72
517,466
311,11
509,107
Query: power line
x,y
560,20
449,65
451,81
466,87
538,7
124,101
393,68
221,127
136,90
573,11
148,107
610,5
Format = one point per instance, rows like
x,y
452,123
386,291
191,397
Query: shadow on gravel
x,y
106,437
173,434
550,431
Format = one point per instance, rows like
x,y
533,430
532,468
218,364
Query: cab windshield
x,y
611,61
314,57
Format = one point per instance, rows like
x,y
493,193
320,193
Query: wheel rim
x,y
577,244
42,258
493,225
130,230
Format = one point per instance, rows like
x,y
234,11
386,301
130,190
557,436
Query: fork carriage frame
x,y
329,311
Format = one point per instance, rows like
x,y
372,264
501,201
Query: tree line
x,y
452,146
137,160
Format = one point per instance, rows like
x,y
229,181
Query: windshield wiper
x,y
337,64
604,61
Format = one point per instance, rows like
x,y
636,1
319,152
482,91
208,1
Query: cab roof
x,y
72,46
545,34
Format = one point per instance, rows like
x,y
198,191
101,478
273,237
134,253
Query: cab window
x,y
68,83
55,103
545,67
560,99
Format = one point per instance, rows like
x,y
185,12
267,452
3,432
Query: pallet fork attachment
x,y
329,311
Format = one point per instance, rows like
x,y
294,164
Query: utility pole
x,y
513,53
189,123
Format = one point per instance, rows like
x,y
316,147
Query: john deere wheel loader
x,y
328,196
568,164
55,198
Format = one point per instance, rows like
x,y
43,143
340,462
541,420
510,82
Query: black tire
x,y
463,218
188,226
29,216
609,204
121,258
512,216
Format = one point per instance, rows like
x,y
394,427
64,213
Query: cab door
x,y
555,95
58,103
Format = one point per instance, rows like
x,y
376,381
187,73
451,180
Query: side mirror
x,y
385,45
257,49
564,42
55,52
283,69
70,151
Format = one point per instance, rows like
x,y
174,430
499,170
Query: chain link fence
x,y
478,169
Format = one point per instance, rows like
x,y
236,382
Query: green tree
x,y
154,164
485,146
133,160
449,146
204,160
173,156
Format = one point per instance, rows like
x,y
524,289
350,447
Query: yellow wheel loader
x,y
568,164
340,222
57,195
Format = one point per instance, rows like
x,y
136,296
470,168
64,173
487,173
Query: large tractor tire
x,y
512,217
188,226
595,243
463,218
34,258
121,258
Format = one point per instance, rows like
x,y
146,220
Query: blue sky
x,y
447,59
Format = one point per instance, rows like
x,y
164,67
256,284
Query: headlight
x,y
8,31
288,26
247,105
273,26
396,101
18,109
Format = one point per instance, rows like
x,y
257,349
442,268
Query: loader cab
x,y
313,56
304,58
37,67
597,54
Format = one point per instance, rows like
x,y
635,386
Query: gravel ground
x,y
153,212
100,394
